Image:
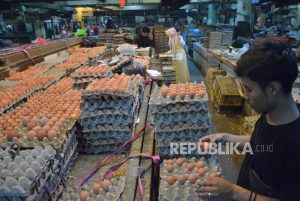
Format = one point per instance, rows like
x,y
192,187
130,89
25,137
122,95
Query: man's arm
x,y
226,137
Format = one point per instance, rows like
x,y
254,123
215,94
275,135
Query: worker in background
x,y
142,39
179,56
267,72
182,42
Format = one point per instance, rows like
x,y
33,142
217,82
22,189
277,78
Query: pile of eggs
x,y
45,115
95,71
180,175
191,170
18,174
108,107
180,115
118,84
108,189
64,86
183,90
11,95
85,75
26,74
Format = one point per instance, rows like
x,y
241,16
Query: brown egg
x,y
179,161
97,187
11,133
173,95
31,134
201,93
106,184
200,164
164,91
190,166
192,178
170,161
170,168
1,135
40,134
181,179
84,195
202,172
51,134
192,94
171,180
182,95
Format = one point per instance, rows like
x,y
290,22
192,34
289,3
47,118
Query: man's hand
x,y
218,137
214,188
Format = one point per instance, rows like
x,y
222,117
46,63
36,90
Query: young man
x,y
267,72
142,39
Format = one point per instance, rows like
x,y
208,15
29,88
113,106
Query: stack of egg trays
x,y
114,193
169,74
81,82
178,120
108,119
26,175
186,191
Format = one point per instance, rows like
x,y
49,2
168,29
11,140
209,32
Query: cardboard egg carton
x,y
113,194
123,128
181,127
171,108
104,149
115,103
188,133
107,119
182,179
25,175
185,117
107,137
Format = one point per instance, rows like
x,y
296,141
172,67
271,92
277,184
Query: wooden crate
x,y
211,75
226,92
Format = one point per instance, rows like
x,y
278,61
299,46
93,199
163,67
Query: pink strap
x,y
28,54
155,159
103,162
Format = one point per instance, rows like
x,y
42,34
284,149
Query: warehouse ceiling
x,y
69,5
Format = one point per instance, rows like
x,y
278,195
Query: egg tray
x,y
103,149
114,193
105,134
117,68
108,120
185,192
107,128
36,177
165,153
169,118
106,141
157,99
22,99
91,76
58,143
188,134
176,127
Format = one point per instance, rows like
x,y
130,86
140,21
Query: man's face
x,y
145,34
260,100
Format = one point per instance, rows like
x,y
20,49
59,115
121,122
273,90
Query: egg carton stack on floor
x,y
180,115
178,177
109,109
168,71
83,76
27,174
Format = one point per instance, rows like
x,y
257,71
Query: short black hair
x,y
267,61
145,30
